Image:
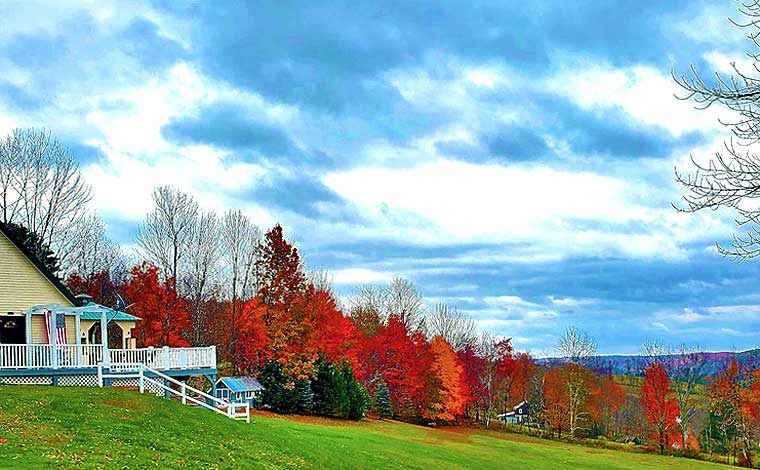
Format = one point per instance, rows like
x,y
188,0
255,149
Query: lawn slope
x,y
56,427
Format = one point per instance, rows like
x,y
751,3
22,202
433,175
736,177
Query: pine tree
x,y
383,401
305,397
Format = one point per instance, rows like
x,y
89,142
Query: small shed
x,y
520,414
238,389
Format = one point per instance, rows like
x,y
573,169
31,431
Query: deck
x,y
48,359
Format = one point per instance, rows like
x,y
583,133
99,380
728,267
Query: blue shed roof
x,y
241,384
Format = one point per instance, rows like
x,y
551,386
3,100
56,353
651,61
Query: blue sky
x,y
514,161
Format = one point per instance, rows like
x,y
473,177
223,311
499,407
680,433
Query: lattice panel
x,y
30,380
78,380
150,387
125,382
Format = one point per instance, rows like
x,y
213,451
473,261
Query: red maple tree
x,y
660,406
400,359
165,316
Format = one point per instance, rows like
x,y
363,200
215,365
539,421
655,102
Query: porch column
x,y
52,340
77,321
104,339
28,332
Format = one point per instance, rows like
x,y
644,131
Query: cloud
x,y
358,276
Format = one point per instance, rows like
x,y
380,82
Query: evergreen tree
x,y
305,397
383,401
326,389
357,400
279,394
33,244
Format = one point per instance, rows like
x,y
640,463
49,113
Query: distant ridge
x,y
622,364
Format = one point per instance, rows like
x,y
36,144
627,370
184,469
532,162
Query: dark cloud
x,y
229,126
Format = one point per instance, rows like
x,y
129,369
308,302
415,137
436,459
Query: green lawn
x,y
56,427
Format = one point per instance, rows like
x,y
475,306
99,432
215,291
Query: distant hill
x,y
621,364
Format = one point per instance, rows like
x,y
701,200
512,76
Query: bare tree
x,y
203,265
576,346
370,298
403,299
732,178
166,234
41,187
322,281
240,242
91,251
458,329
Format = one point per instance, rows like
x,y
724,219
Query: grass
x,y
57,427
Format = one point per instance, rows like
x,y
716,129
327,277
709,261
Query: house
x,y
238,390
520,414
28,291
48,335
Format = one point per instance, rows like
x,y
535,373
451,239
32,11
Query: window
x,y
249,395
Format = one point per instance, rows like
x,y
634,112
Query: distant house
x,y
520,414
239,390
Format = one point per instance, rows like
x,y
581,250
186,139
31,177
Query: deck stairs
x,y
151,380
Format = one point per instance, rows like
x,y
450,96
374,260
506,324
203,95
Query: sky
x,y
514,159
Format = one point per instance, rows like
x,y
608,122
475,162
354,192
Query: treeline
x,y
201,278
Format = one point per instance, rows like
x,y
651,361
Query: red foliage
x,y
333,334
523,370
165,317
474,367
97,285
402,360
660,406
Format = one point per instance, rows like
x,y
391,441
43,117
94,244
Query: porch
x,y
17,358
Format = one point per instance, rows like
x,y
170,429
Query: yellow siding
x,y
38,329
22,285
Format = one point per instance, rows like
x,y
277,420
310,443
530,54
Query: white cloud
x,y
562,212
643,92
360,276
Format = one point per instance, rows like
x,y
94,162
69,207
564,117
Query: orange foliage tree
x,y
165,316
660,406
607,396
448,395
556,401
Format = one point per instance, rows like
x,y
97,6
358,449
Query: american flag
x,y
58,321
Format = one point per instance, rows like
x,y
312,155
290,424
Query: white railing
x,y
187,394
44,356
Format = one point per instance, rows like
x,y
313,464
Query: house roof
x,y
91,311
37,263
241,384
